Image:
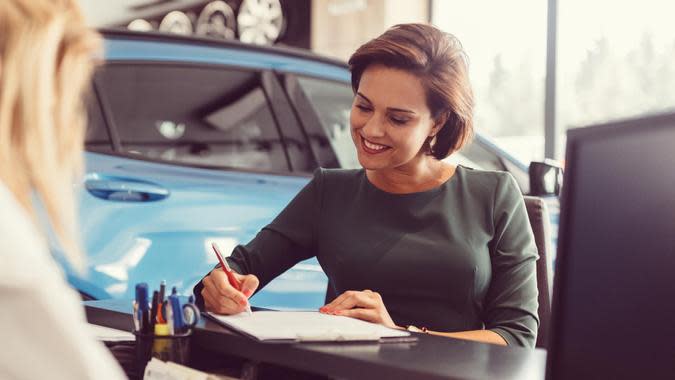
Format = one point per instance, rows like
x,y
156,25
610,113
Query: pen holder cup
x,y
174,348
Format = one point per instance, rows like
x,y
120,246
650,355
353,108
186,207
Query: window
x,y
617,68
332,103
506,46
193,115
96,136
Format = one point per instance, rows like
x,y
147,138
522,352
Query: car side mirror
x,y
545,178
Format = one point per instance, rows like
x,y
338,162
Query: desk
x,y
431,357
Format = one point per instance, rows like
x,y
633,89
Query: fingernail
x,y
338,312
323,308
248,292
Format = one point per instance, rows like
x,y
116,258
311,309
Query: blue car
x,y
193,141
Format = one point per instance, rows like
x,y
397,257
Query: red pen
x,y
230,274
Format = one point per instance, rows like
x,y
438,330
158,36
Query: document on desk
x,y
107,334
309,326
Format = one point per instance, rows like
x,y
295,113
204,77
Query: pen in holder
x,y
174,348
162,327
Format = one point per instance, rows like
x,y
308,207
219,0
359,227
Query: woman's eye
x,y
398,121
363,108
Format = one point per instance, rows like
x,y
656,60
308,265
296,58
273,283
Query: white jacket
x,y
43,331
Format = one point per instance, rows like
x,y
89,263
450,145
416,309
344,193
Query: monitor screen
x,y
614,292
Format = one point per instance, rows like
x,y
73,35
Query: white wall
x,y
340,26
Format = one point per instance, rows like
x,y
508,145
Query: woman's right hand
x,y
222,298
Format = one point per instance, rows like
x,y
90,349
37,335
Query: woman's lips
x,y
373,148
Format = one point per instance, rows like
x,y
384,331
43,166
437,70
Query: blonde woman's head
x,y
45,64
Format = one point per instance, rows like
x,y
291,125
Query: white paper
x,y
306,326
108,334
159,370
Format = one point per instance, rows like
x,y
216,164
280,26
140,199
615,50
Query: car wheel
x,y
260,22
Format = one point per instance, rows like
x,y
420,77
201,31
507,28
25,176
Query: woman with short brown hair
x,y
439,61
409,239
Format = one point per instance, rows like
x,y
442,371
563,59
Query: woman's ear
x,y
439,122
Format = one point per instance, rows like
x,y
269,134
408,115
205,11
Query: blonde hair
x,y
46,54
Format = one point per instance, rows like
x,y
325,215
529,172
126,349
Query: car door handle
x,y
125,189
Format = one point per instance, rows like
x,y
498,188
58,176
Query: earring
x,y
427,143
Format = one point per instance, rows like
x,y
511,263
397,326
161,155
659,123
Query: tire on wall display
x,y
260,21
217,20
140,25
176,22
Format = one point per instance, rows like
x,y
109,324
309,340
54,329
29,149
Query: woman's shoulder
x,y
491,187
490,180
337,185
335,177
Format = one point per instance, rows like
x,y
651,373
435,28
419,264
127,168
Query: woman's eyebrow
x,y
363,96
400,110
388,108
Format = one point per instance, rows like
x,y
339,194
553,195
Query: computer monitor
x,y
614,291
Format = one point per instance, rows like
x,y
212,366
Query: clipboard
x,y
308,326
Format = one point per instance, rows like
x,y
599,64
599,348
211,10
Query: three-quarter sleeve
x,y
287,240
511,301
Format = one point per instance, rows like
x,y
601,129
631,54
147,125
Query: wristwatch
x,y
416,329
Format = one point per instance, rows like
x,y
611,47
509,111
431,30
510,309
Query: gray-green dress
x,y
458,257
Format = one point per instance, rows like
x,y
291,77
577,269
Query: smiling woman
x,y
409,239
413,107
384,132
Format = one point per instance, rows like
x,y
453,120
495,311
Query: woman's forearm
x,y
484,336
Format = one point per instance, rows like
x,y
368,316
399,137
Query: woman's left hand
x,y
365,305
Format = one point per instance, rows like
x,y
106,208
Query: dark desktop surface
x,y
614,300
430,357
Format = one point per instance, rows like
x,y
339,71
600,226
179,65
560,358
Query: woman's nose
x,y
374,127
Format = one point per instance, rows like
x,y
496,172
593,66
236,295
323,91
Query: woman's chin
x,y
370,164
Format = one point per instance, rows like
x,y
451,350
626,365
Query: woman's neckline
x,y
432,190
